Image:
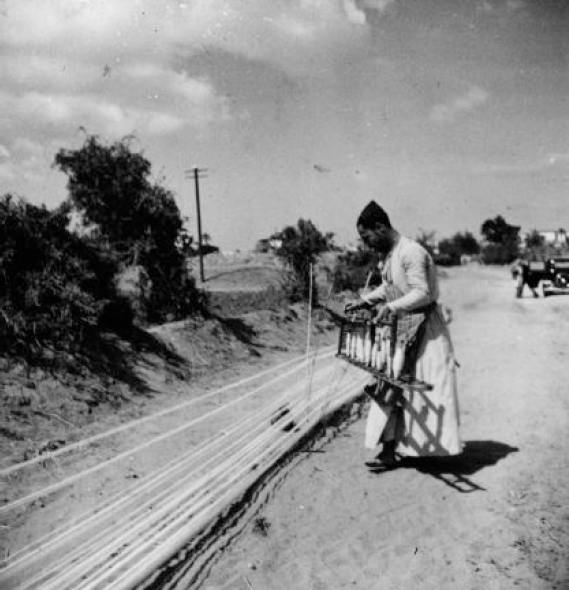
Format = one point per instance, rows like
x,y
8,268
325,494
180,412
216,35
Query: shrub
x,y
503,241
498,254
353,268
53,284
452,249
299,249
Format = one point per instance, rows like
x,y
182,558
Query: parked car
x,y
548,276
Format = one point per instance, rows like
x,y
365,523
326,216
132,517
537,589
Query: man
x,y
521,272
418,423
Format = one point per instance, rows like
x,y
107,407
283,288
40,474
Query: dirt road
x,y
496,518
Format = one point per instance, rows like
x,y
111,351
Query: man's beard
x,y
382,245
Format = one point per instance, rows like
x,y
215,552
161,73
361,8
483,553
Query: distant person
x,y
521,273
414,423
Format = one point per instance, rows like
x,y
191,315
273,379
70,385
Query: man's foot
x,y
384,461
372,389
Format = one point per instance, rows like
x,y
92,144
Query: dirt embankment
x,y
248,326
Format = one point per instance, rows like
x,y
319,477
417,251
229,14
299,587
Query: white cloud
x,y
356,9
509,6
25,147
7,171
378,5
113,67
486,6
4,152
82,62
58,112
451,110
97,64
170,83
555,159
355,15
543,163
94,31
515,4
28,71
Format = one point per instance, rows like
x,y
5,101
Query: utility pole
x,y
199,173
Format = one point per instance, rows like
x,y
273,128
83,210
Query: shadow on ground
x,y
456,471
115,356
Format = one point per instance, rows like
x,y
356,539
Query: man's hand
x,y
383,313
355,305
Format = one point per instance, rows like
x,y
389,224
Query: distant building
x,y
271,244
275,242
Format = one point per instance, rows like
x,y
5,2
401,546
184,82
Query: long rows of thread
x,y
122,541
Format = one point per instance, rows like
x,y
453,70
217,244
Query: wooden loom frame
x,y
358,322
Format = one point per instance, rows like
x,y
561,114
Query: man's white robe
x,y
431,417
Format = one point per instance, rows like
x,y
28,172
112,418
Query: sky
x,y
446,112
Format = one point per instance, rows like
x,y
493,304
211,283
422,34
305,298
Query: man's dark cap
x,y
373,214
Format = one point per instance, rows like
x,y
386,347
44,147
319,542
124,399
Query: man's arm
x,y
377,295
416,263
366,300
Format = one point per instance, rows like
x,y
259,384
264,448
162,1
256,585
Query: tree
x,y
452,249
110,187
330,239
449,254
427,240
353,268
497,231
534,239
300,247
466,243
207,247
502,241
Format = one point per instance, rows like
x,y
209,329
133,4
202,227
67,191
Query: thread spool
x,y
354,342
383,353
368,344
375,349
348,343
360,347
398,360
388,357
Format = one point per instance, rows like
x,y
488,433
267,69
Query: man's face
x,y
377,239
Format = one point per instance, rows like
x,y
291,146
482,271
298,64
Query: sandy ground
x,y
496,518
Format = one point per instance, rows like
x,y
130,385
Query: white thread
x,y
67,481
123,427
259,442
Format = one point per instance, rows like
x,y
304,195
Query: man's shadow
x,y
455,471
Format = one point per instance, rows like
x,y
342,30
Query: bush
x,y
53,284
503,241
499,253
451,250
445,260
299,249
353,268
